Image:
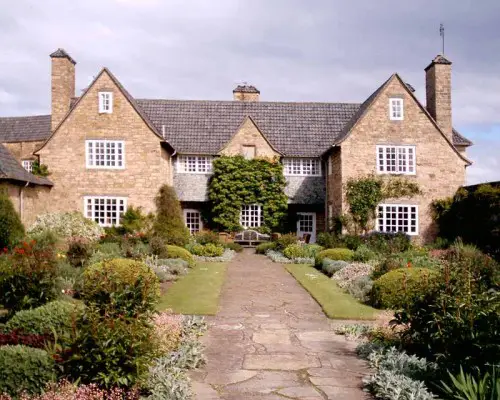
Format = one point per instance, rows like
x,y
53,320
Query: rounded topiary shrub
x,y
178,252
24,369
206,250
329,267
402,286
56,316
67,225
334,254
11,228
121,286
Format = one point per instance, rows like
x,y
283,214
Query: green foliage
x,y
363,253
27,277
11,227
294,251
79,252
56,317
178,252
286,240
121,287
24,369
167,269
457,321
67,225
264,247
111,350
236,182
167,382
333,254
387,242
398,288
206,237
472,215
207,250
134,221
329,266
238,248
360,288
365,193
407,259
169,224
40,169
465,386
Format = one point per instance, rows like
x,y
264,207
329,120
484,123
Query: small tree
x,y
169,224
11,227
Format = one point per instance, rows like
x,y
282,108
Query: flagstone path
x,y
270,340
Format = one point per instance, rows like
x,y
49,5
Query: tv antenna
x,y
441,33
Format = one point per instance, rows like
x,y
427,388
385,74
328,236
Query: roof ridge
x,y
249,102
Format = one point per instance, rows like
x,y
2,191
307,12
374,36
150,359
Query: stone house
x,y
107,150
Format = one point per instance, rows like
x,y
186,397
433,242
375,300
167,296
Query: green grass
x,y
197,292
333,300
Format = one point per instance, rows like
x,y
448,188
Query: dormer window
x,y
105,102
396,109
28,165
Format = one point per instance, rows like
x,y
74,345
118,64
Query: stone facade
x,y
29,201
191,187
63,87
440,170
23,150
147,164
249,135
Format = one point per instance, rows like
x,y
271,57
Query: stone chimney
x,y
438,93
62,85
246,93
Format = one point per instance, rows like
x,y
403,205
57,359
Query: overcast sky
x,y
292,50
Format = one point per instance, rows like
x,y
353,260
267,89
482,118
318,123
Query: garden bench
x,y
250,238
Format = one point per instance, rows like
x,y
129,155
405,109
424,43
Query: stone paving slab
x,y
270,340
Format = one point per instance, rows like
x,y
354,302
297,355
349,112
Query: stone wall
x,y
249,135
63,88
440,171
23,150
147,164
35,200
191,187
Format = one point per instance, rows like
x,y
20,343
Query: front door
x,y
306,224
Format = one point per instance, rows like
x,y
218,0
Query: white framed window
x,y
194,164
396,109
105,154
251,216
398,218
105,210
28,165
105,102
193,220
249,152
302,166
396,160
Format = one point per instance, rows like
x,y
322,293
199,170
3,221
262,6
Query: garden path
x,y
270,340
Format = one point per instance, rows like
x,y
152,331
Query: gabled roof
x,y
61,53
24,129
10,169
125,93
293,129
459,140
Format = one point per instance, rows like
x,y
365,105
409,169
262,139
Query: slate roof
x,y
459,140
61,53
204,127
10,169
246,89
24,129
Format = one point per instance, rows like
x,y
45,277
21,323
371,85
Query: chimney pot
x,y
246,93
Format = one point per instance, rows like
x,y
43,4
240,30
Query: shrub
x,y
79,252
206,237
168,330
286,240
134,249
301,251
111,350
169,224
363,253
121,287
278,257
11,227
326,240
105,251
17,337
238,248
57,317
329,267
407,259
334,254
387,242
207,250
166,382
27,277
179,252
24,369
133,221
264,247
67,225
351,272
398,288
360,288
226,256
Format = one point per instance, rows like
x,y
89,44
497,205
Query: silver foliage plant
x,y
228,255
167,269
278,257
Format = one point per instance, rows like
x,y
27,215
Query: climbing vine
x,y
237,181
365,193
